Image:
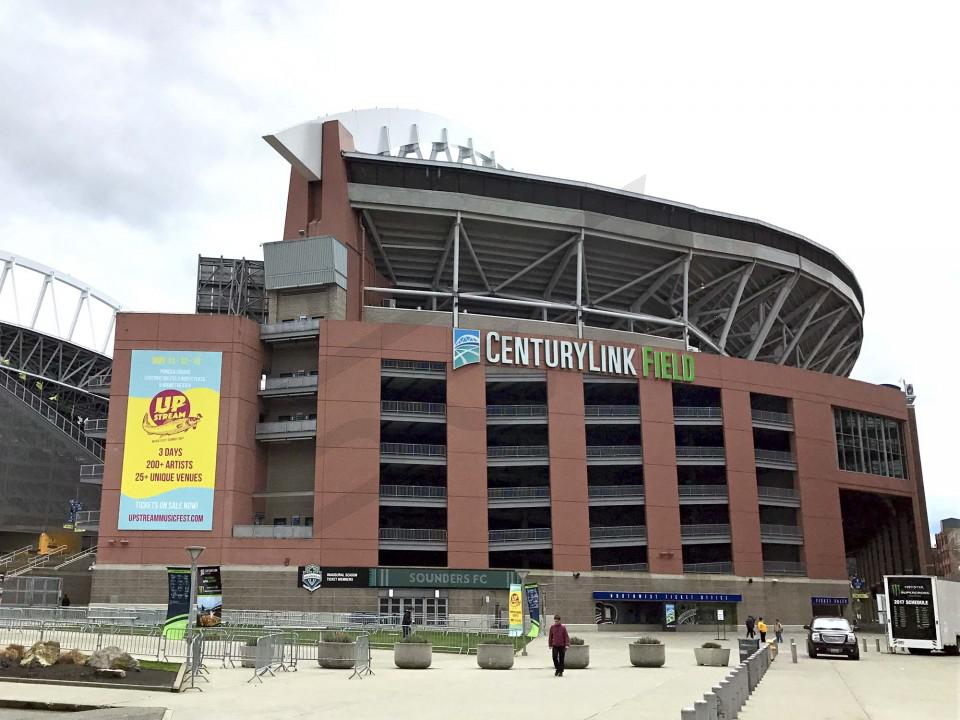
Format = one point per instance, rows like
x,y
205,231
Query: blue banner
x,y
666,597
533,608
819,600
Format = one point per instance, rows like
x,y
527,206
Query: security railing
x,y
91,473
777,456
771,417
708,567
781,531
412,535
11,557
273,532
93,425
701,491
707,530
605,411
403,407
520,535
413,491
71,429
294,382
624,567
614,451
617,532
87,518
597,492
413,450
517,411
287,427
705,453
776,493
414,365
303,326
518,451
518,493
771,567
696,413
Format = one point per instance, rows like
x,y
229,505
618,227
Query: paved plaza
x,y
880,686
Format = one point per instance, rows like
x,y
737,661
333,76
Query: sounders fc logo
x,y
311,579
466,347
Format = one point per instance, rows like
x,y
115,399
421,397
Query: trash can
x,y
748,646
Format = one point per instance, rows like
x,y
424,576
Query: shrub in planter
x,y
336,650
414,652
647,652
578,655
712,654
495,654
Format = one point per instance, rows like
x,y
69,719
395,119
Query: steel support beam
x,y
734,305
580,285
823,338
375,234
772,316
473,254
456,272
798,334
536,262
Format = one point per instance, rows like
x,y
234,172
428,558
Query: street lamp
x,y
195,551
523,609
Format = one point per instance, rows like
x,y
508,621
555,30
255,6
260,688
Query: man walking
x,y
749,623
778,630
406,621
762,629
558,641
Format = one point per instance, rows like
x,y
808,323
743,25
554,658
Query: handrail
x,y
86,517
275,532
519,535
413,491
509,493
684,451
37,561
413,449
70,559
771,416
680,411
413,535
611,411
94,425
518,451
49,413
783,567
618,531
627,567
615,491
13,554
792,531
413,365
412,408
516,411
704,530
774,456
708,567
91,471
286,326
596,451
776,492
702,490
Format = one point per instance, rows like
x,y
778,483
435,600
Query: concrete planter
x,y
412,656
647,655
577,657
336,656
712,657
495,657
248,656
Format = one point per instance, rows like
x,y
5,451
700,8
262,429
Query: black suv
x,y
831,636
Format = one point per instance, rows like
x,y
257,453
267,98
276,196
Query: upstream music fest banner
x,y
170,445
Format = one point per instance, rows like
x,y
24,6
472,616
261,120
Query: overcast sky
x,y
130,134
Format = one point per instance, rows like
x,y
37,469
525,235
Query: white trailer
x,y
923,614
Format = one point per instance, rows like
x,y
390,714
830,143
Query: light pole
x,y
523,609
195,551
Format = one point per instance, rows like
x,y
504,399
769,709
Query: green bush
x,y
711,646
647,640
577,641
497,641
337,637
415,638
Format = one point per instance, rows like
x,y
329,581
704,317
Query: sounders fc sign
x,y
584,356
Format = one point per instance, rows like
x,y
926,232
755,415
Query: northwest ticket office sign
x,y
170,441
587,356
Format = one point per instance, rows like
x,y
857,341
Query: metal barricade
x,y
269,656
364,661
195,667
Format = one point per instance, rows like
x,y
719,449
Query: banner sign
x,y
313,577
822,600
912,607
515,608
533,608
178,602
209,596
581,356
423,578
170,441
671,597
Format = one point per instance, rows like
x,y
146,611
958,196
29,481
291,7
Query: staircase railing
x,y
69,560
13,555
37,561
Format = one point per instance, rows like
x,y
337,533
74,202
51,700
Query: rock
x,y
109,672
113,658
42,653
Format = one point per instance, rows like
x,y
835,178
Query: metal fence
x,y
403,407
602,411
507,451
598,451
413,491
727,699
518,411
413,449
696,412
615,491
28,590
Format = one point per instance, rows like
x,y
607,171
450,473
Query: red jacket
x,y
558,636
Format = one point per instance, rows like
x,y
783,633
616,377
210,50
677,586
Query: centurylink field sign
x,y
580,355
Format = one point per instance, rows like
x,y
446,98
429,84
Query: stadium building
x,y
446,370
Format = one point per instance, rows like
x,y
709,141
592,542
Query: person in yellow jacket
x,y
762,629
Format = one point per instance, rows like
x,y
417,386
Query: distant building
x,y
947,552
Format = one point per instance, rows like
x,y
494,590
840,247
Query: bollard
x,y
701,710
713,712
793,650
688,714
878,644
865,645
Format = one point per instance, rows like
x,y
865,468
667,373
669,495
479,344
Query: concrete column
x,y
664,551
569,511
744,505
467,468
816,453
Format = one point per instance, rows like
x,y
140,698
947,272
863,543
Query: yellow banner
x,y
170,441
515,606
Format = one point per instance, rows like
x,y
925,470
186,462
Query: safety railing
x,y
520,535
91,473
436,492
414,365
403,407
518,451
516,411
771,567
607,411
299,381
268,656
412,535
596,492
777,456
413,450
708,567
696,413
12,556
617,532
70,559
706,530
781,531
776,493
771,417
95,425
38,561
614,451
727,698
518,493
282,428
624,567
87,517
9,382
705,453
302,326
701,491
273,532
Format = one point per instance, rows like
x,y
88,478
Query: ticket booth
x,y
822,606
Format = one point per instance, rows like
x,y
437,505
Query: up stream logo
x,y
466,347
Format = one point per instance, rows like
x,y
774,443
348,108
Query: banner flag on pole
x,y
533,608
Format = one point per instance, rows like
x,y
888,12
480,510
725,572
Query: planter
x,y
577,657
647,655
336,656
248,656
412,656
712,657
495,657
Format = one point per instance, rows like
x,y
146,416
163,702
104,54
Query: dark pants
x,y
750,632
779,634
763,637
558,655
406,630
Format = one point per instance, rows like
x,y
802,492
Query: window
x,y
869,443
